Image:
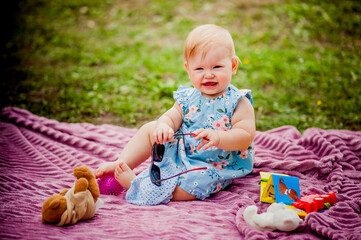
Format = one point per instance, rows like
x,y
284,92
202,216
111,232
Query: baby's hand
x,y
163,133
210,138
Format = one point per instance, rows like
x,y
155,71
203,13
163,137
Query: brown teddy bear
x,y
75,204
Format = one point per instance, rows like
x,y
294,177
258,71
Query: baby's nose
x,y
208,74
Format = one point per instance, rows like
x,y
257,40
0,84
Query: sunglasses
x,y
157,156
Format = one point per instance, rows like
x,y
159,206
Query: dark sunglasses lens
x,y
158,152
155,174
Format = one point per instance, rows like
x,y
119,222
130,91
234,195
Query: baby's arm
x,y
239,137
167,124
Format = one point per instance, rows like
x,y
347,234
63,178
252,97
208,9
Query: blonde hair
x,y
204,37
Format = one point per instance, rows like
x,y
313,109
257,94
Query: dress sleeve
x,y
182,95
237,94
246,93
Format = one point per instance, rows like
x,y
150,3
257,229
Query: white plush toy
x,y
278,216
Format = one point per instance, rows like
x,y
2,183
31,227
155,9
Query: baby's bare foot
x,y
104,168
124,175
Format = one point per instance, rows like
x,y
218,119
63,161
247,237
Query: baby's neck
x,y
212,96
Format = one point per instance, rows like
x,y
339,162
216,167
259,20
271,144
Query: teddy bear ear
x,y
54,204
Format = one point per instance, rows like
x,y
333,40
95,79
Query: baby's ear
x,y
186,65
235,61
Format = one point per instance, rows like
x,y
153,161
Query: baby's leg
x,y
137,150
180,195
124,175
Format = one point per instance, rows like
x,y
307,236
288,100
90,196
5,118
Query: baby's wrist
x,y
160,123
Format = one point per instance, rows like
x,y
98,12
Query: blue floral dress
x,y
181,154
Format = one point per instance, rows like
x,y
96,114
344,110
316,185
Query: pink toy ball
x,y
109,185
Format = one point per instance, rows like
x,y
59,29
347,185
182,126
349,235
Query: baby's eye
x,y
218,66
199,69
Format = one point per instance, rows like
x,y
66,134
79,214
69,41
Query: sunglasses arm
x,y
194,169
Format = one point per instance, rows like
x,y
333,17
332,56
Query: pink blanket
x,y
38,155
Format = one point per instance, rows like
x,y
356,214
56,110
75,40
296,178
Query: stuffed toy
x,y
277,217
75,204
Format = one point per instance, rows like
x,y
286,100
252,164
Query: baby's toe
x,y
123,166
97,173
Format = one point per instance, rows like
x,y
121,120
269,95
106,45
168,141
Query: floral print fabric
x,y
222,166
181,154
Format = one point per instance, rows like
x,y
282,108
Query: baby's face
x,y
212,74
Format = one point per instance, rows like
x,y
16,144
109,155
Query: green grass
x,y
118,62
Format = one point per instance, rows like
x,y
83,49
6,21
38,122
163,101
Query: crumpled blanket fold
x,y
38,155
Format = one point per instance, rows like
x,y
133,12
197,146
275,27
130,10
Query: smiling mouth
x,y
210,84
